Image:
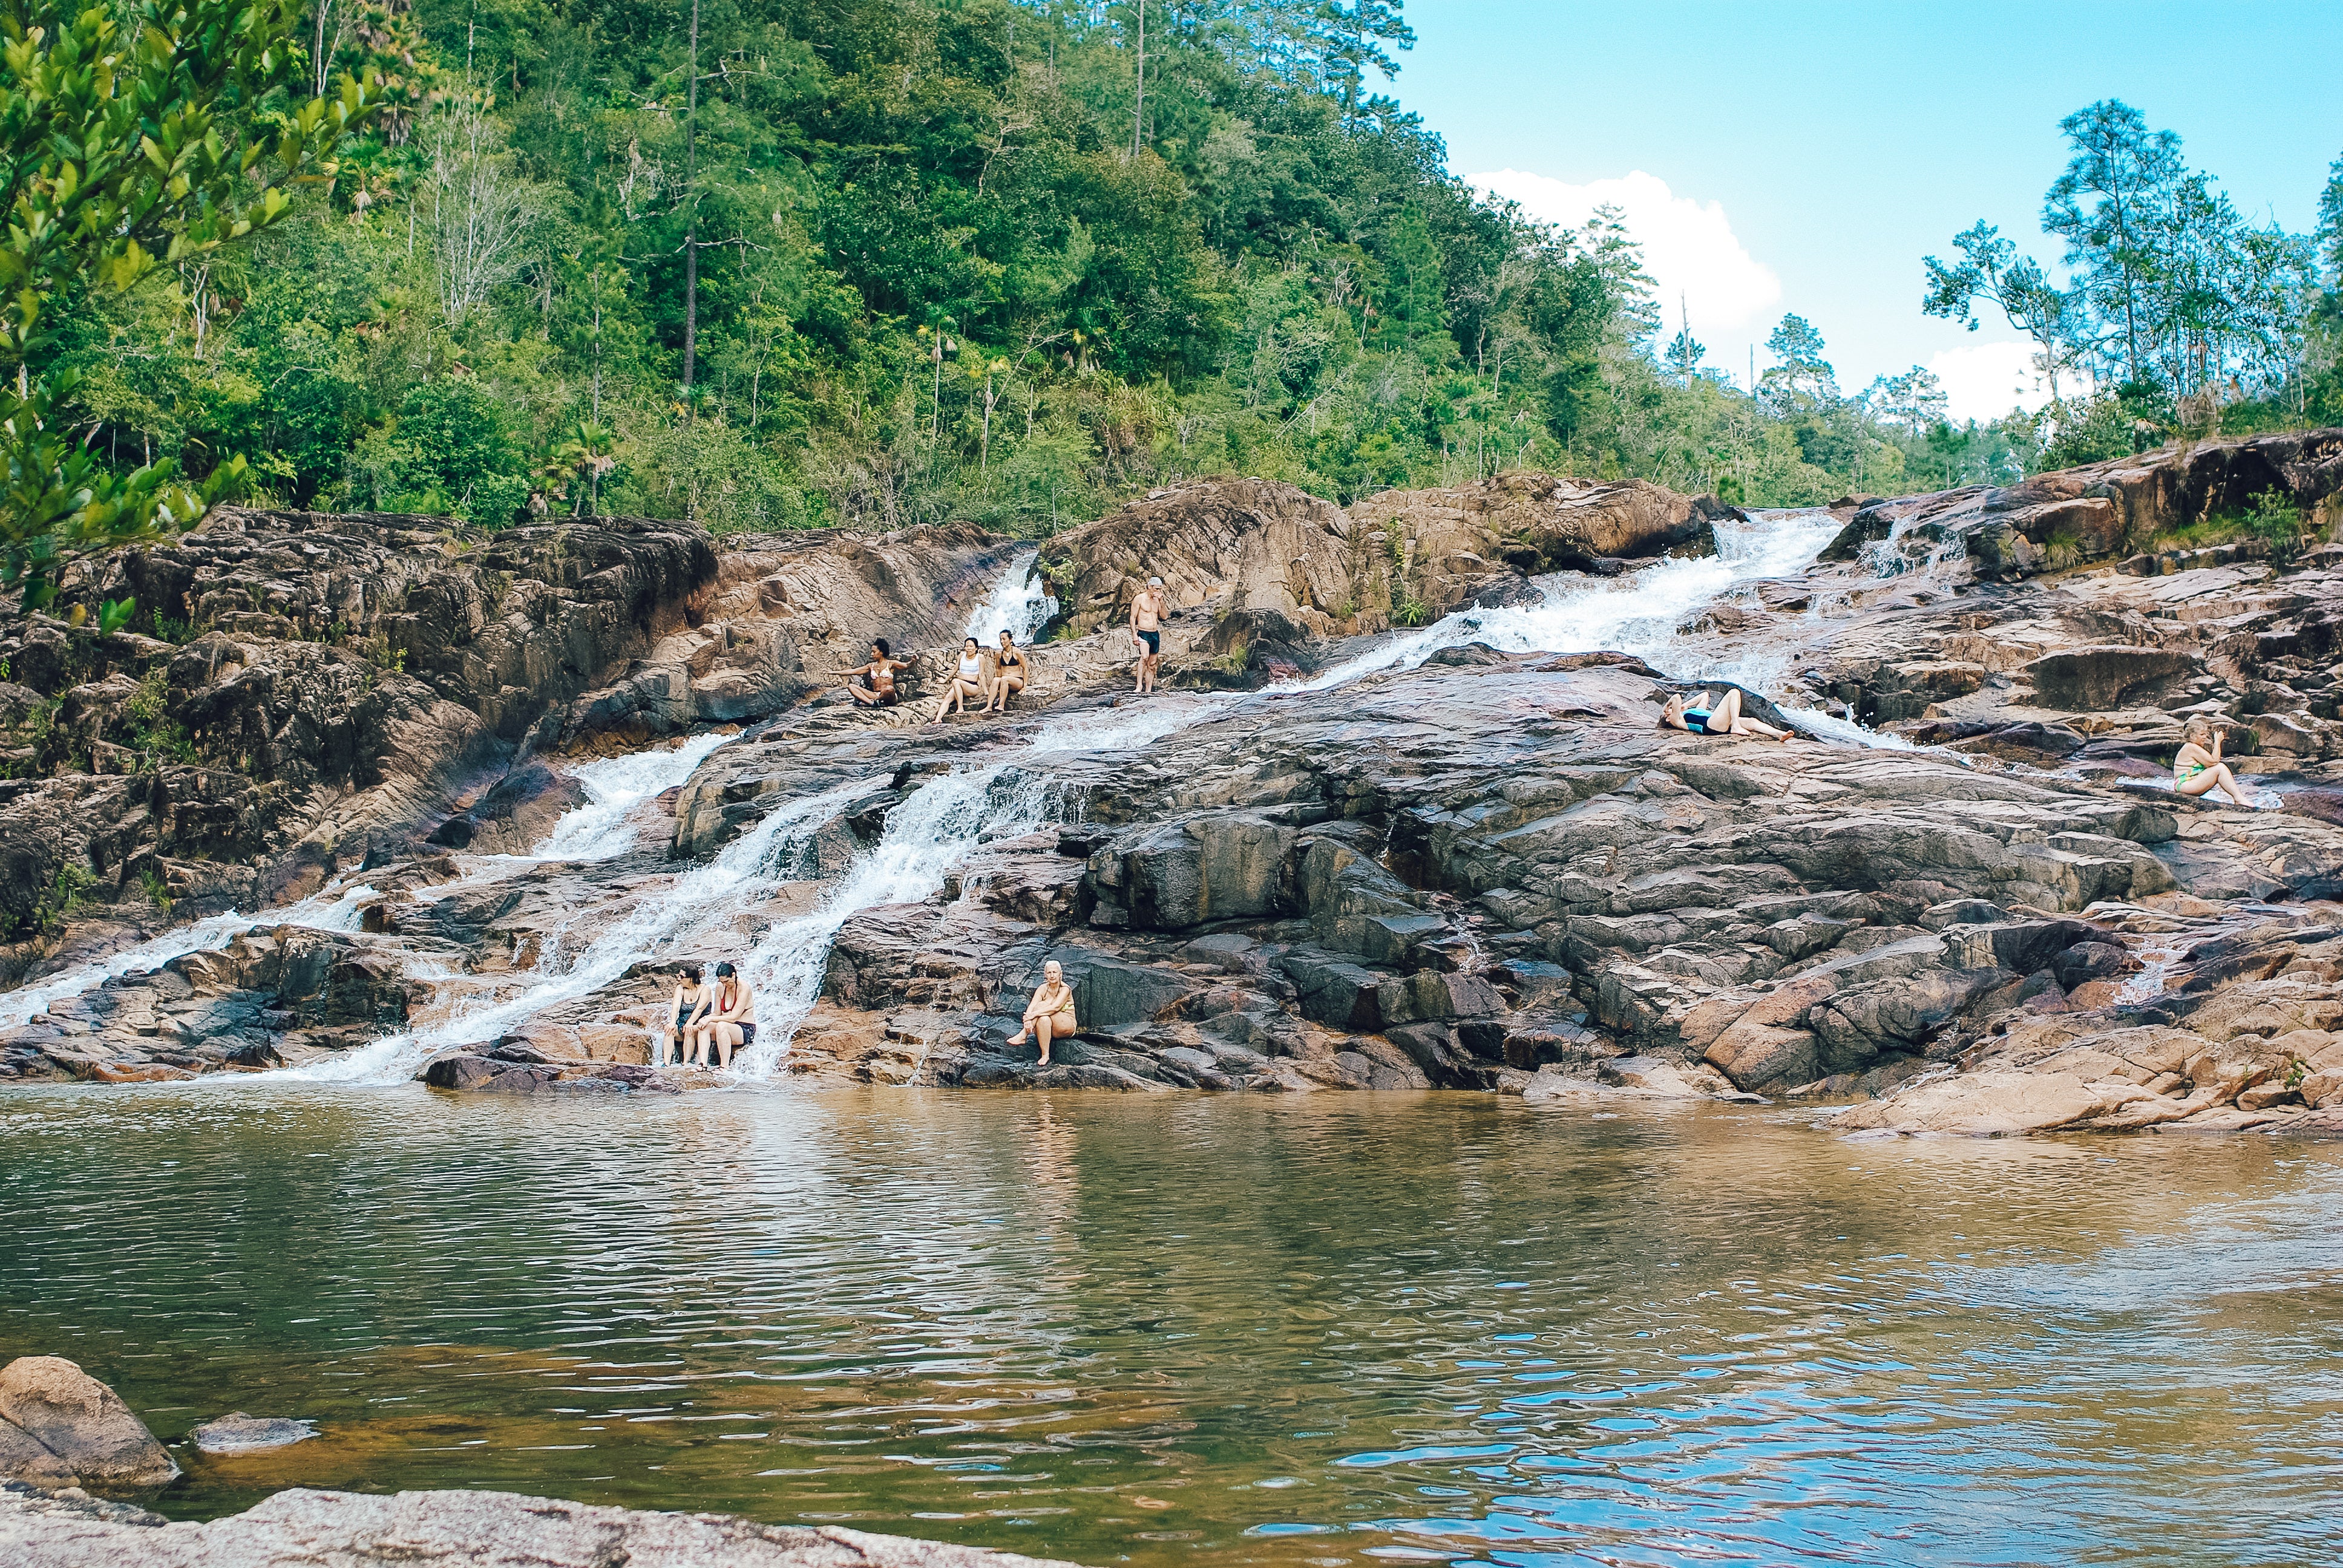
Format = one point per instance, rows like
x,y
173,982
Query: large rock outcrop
x,y
2107,511
1268,552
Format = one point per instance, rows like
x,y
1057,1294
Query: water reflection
x,y
1174,1329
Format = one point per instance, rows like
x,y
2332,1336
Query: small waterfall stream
x,y
1019,604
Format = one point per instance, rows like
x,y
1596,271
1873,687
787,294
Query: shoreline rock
x,y
300,1527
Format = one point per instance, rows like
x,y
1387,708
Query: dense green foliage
x,y
781,263
167,128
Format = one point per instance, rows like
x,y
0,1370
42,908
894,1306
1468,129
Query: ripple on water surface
x,y
1188,1331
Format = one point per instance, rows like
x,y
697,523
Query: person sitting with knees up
x,y
689,1002
1720,716
1051,1015
968,681
727,1019
1011,667
877,688
2197,769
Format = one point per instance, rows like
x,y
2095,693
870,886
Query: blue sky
x,y
1830,146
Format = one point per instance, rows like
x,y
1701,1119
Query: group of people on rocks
x,y
1000,673
714,1015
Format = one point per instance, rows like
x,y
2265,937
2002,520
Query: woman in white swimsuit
x,y
968,681
1051,1013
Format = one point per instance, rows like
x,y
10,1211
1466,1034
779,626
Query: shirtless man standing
x,y
1147,613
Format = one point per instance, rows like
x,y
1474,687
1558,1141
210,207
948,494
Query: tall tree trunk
x,y
1138,105
691,213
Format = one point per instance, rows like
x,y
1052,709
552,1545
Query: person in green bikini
x,y
2197,769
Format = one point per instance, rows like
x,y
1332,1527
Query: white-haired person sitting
x,y
1051,1015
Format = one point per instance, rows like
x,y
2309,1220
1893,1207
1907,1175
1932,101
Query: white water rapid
x,y
1638,612
1019,604
602,828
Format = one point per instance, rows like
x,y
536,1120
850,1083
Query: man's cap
x,y
1155,582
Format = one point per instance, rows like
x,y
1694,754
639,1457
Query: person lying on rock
x,y
691,998
1147,613
878,687
2197,769
1720,716
1010,679
1051,1015
968,681
727,1019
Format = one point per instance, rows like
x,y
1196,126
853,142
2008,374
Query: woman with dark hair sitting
x,y
877,688
727,1019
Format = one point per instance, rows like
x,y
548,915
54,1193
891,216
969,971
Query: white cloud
x,y
1689,248
1986,380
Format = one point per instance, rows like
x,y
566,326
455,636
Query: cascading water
x,y
942,823
653,925
1640,612
927,837
335,908
615,786
1019,604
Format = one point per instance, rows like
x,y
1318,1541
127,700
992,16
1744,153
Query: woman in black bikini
x,y
690,1001
1011,667
878,690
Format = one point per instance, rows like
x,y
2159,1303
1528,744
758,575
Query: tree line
x,y
775,264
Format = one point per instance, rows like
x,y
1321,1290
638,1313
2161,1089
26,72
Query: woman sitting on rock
x,y
878,688
727,1019
2197,767
1012,668
968,681
1721,716
1051,1013
690,1001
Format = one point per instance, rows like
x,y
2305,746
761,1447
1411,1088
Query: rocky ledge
x,y
1486,871
301,1528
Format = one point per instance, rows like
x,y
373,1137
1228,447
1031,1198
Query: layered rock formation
x,y
1489,870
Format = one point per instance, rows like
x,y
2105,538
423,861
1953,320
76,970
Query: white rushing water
x,y
654,925
1641,611
615,789
335,908
926,838
1019,604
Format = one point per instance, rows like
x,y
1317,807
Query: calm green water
x,y
1187,1330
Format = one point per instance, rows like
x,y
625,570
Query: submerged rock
x,y
237,1433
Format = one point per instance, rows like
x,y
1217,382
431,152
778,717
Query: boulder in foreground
x,y
470,1529
59,1425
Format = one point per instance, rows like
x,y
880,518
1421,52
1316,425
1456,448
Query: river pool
x,y
1178,1330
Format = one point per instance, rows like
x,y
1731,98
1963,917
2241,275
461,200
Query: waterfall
x,y
655,925
927,837
596,831
940,824
1019,604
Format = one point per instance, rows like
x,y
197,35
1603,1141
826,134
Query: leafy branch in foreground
x,y
119,144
